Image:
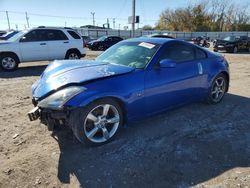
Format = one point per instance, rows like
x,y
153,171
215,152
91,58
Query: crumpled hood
x,y
66,72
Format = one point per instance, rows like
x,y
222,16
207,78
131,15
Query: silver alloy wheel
x,y
73,56
235,49
101,123
218,89
8,63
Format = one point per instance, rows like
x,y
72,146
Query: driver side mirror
x,y
22,39
167,63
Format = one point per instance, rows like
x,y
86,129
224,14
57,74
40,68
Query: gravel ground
x,y
198,145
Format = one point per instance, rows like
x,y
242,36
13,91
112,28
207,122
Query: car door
x,y
58,44
33,46
169,87
109,42
243,41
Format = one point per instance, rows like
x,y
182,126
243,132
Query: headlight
x,y
58,99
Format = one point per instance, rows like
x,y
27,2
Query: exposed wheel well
x,y
10,53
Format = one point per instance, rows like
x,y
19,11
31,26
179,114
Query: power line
x,y
68,17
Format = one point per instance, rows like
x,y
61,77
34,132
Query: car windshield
x,y
231,38
102,38
131,54
16,36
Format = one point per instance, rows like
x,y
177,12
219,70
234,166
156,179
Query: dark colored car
x,y
86,40
232,44
2,33
104,42
8,35
132,80
162,36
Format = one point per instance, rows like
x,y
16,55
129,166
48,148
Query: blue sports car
x,y
132,80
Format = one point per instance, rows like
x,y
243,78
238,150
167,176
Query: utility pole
x,y
27,19
113,23
93,16
65,24
107,23
133,18
7,15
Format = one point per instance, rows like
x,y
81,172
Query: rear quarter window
x,y
74,35
56,35
200,54
179,53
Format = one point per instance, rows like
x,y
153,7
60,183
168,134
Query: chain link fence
x,y
96,33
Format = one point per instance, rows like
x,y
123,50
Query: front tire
x,y
9,62
97,123
235,49
217,89
101,48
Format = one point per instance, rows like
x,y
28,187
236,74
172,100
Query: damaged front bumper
x,y
49,117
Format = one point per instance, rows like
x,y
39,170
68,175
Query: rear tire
x,y
73,54
93,125
9,62
218,89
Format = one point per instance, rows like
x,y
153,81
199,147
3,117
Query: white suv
x,y
42,43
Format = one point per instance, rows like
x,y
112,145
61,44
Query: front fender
x,y
85,98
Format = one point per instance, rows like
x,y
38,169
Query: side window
x,y
244,38
179,53
200,54
74,35
34,36
41,35
29,37
116,39
110,39
56,35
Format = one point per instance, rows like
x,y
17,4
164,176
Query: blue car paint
x,y
117,88
142,92
62,73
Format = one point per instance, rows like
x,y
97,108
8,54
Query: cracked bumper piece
x,y
49,117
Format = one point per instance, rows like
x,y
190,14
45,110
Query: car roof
x,y
152,40
52,27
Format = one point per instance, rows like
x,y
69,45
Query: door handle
x,y
200,68
66,42
42,44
